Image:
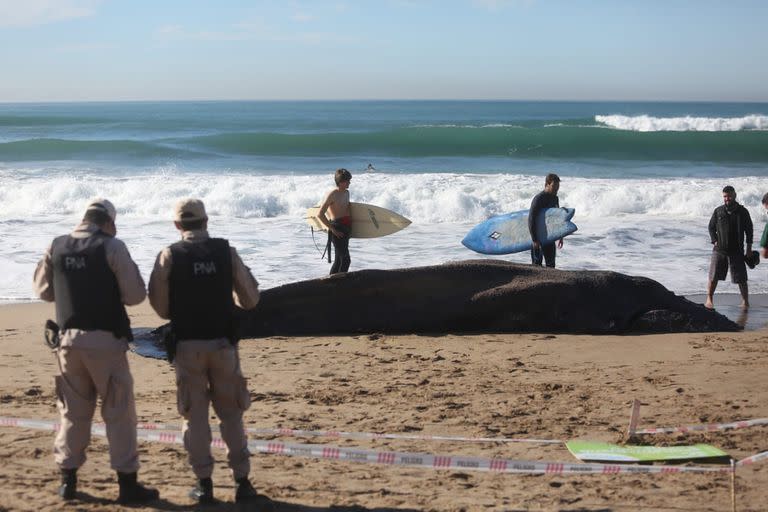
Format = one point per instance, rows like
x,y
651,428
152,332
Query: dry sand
x,y
527,385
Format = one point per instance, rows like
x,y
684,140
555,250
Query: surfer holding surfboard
x,y
350,220
339,226
544,199
537,229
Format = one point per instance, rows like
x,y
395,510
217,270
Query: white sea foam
x,y
685,124
651,227
426,198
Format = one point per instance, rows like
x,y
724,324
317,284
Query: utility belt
x,y
52,334
170,340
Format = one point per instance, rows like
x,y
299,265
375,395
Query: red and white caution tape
x,y
752,459
33,424
409,459
336,434
464,463
711,427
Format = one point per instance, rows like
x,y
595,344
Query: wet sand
x,y
729,304
485,385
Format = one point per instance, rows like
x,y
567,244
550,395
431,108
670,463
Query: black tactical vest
x,y
201,303
86,289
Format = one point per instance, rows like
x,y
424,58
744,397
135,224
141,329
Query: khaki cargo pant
x,y
85,375
208,371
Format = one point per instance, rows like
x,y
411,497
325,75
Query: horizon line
x,y
371,100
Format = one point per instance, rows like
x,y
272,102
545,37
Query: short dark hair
x,y
342,175
551,177
765,198
192,225
728,189
98,217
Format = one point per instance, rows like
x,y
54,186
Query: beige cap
x,y
189,209
104,205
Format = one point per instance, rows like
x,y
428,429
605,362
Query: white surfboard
x,y
368,221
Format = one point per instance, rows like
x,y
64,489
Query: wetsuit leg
x,y
549,251
536,256
341,249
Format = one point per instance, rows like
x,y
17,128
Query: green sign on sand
x,y
596,451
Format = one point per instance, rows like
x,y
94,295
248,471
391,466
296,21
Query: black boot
x,y
244,491
246,494
132,492
203,492
68,487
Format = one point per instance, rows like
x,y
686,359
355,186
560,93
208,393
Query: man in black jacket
x,y
729,226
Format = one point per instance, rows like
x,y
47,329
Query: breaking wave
x,y
685,124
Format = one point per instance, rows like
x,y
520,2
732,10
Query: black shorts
x,y
721,262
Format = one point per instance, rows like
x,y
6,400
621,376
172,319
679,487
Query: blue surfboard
x,y
508,233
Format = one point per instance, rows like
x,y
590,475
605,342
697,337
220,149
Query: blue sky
x,y
62,50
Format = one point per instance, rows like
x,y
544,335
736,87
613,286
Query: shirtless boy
x,y
336,203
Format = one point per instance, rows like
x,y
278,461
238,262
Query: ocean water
x,y
643,178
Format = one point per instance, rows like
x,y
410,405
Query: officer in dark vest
x,y
91,277
196,283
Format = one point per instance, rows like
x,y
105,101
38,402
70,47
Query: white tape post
x,y
634,417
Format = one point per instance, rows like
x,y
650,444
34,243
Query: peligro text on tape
x,y
464,463
410,459
705,427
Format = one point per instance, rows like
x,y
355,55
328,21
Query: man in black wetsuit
x,y
544,199
339,226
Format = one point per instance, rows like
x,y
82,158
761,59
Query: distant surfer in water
x,y
729,226
544,199
339,226
370,168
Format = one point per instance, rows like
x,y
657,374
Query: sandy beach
x,y
442,369
490,385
